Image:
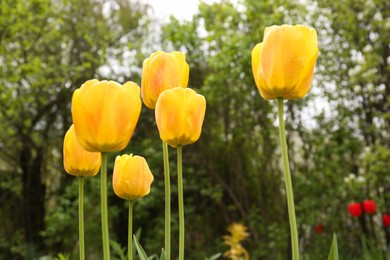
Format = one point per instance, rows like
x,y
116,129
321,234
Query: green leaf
x,y
141,252
334,251
213,257
138,236
163,256
118,250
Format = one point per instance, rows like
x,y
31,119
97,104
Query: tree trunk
x,y
31,161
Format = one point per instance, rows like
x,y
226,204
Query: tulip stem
x,y
167,202
130,231
181,203
289,189
103,198
81,217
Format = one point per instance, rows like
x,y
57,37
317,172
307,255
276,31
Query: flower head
x,y
132,177
369,207
78,161
355,209
386,220
319,228
179,116
283,63
162,71
238,233
105,114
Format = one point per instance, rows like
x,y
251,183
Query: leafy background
x,y
338,135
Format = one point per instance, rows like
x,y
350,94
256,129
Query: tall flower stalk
x,y
167,184
103,207
130,231
81,218
180,201
287,178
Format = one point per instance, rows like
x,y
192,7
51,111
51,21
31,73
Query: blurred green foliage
x,y
338,136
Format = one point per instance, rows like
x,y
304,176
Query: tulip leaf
x,y
214,257
163,256
138,236
141,252
118,250
334,251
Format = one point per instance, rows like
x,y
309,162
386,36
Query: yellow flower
x,y
179,116
132,177
77,161
162,71
283,63
105,114
238,232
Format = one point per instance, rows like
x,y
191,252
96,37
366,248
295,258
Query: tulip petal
x,y
258,72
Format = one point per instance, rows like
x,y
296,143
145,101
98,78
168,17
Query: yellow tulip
x,y
105,114
283,63
77,161
179,116
132,177
162,71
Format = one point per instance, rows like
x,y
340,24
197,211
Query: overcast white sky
x,y
181,9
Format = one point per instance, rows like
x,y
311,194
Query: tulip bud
x,y
319,228
283,63
355,209
369,207
77,161
162,71
179,116
386,220
105,114
132,177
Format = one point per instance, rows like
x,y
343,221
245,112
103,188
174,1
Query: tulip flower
x,y
162,71
131,180
132,177
355,209
77,161
283,63
105,114
179,116
369,207
319,228
386,220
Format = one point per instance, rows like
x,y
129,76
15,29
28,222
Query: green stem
x,y
103,199
130,232
181,203
167,202
81,217
289,189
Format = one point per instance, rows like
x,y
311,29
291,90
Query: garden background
x,y
338,135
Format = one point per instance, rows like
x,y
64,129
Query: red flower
x,y
386,220
355,209
319,228
369,206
